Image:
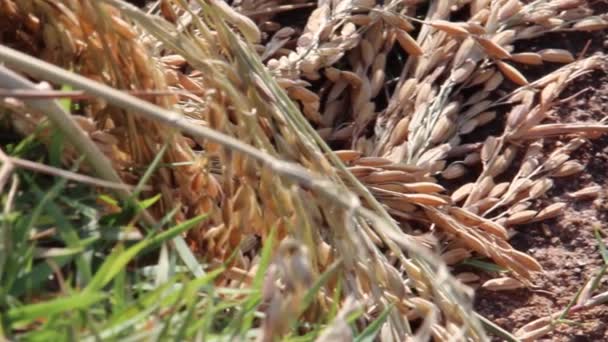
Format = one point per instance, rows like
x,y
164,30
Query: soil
x,y
566,247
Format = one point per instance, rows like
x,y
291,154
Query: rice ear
x,y
512,73
408,43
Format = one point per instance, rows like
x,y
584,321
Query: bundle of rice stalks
x,y
454,77
394,95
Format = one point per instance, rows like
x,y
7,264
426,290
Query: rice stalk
x,y
257,108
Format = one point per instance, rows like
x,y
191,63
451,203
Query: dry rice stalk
x,y
275,116
399,123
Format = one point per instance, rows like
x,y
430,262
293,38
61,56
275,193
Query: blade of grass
x,y
336,301
483,265
601,246
148,202
371,331
117,260
495,329
7,223
322,280
163,268
120,289
28,313
66,103
595,280
245,319
149,171
265,258
184,252
53,171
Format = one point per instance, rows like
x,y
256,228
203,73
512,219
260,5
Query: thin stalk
x,y
77,177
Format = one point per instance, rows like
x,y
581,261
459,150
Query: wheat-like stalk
x,y
342,131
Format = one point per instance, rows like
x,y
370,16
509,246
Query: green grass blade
x,y
265,259
312,292
56,149
601,246
149,172
31,312
246,319
484,265
495,329
66,103
336,301
148,202
119,259
371,331
184,252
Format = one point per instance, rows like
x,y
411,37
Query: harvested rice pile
x,y
381,144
